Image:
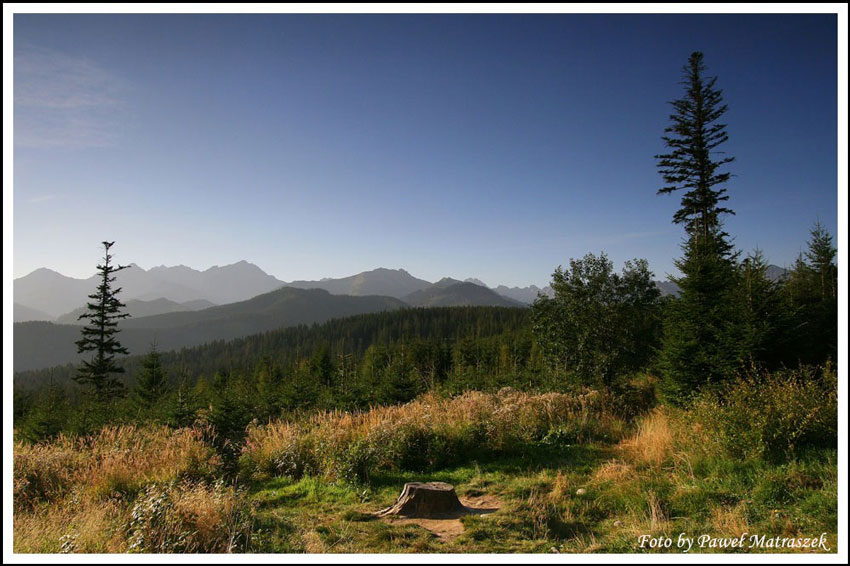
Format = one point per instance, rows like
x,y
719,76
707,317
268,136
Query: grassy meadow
x,y
551,472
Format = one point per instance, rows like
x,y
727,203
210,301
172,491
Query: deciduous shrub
x,y
772,416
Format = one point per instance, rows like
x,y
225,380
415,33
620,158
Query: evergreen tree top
x,y
693,163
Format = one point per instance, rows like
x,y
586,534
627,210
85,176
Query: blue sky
x,y
493,146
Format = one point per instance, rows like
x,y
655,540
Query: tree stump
x,y
425,500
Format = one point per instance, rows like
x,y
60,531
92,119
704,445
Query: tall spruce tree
x,y
703,334
693,163
99,335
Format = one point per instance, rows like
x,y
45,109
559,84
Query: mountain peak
x,y
450,292
446,282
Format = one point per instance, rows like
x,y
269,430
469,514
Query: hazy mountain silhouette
x,y
44,344
668,288
451,293
447,282
51,292
23,313
286,306
55,294
776,273
387,282
526,295
138,308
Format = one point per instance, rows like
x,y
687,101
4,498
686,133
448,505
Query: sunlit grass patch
x,y
653,443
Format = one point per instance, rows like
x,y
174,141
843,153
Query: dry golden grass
x,y
540,508
657,519
614,471
118,459
473,420
77,494
652,443
190,517
649,518
73,525
560,487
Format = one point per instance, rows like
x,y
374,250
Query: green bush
x,y
772,416
295,460
355,461
633,398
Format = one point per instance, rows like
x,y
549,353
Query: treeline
x,y
601,328
349,363
349,335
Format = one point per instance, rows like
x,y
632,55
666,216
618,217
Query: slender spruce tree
x,y
151,381
693,163
821,258
99,336
703,331
812,288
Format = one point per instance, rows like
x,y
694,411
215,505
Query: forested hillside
x,y
41,344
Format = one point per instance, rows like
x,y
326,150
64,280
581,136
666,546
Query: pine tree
x,y
181,410
703,331
151,381
767,313
812,289
690,165
821,258
99,335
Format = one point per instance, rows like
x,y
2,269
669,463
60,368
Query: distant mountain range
x,y
45,295
23,313
388,282
55,294
179,306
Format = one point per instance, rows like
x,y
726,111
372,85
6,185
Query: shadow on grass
x,y
539,457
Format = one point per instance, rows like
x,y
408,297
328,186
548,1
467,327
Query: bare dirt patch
x,y
449,526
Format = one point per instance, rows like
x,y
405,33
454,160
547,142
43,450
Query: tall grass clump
x,y
118,460
427,433
126,488
652,443
190,517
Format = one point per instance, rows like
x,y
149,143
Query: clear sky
x,y
493,146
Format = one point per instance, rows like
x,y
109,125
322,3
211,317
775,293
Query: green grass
x,y
540,510
314,486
